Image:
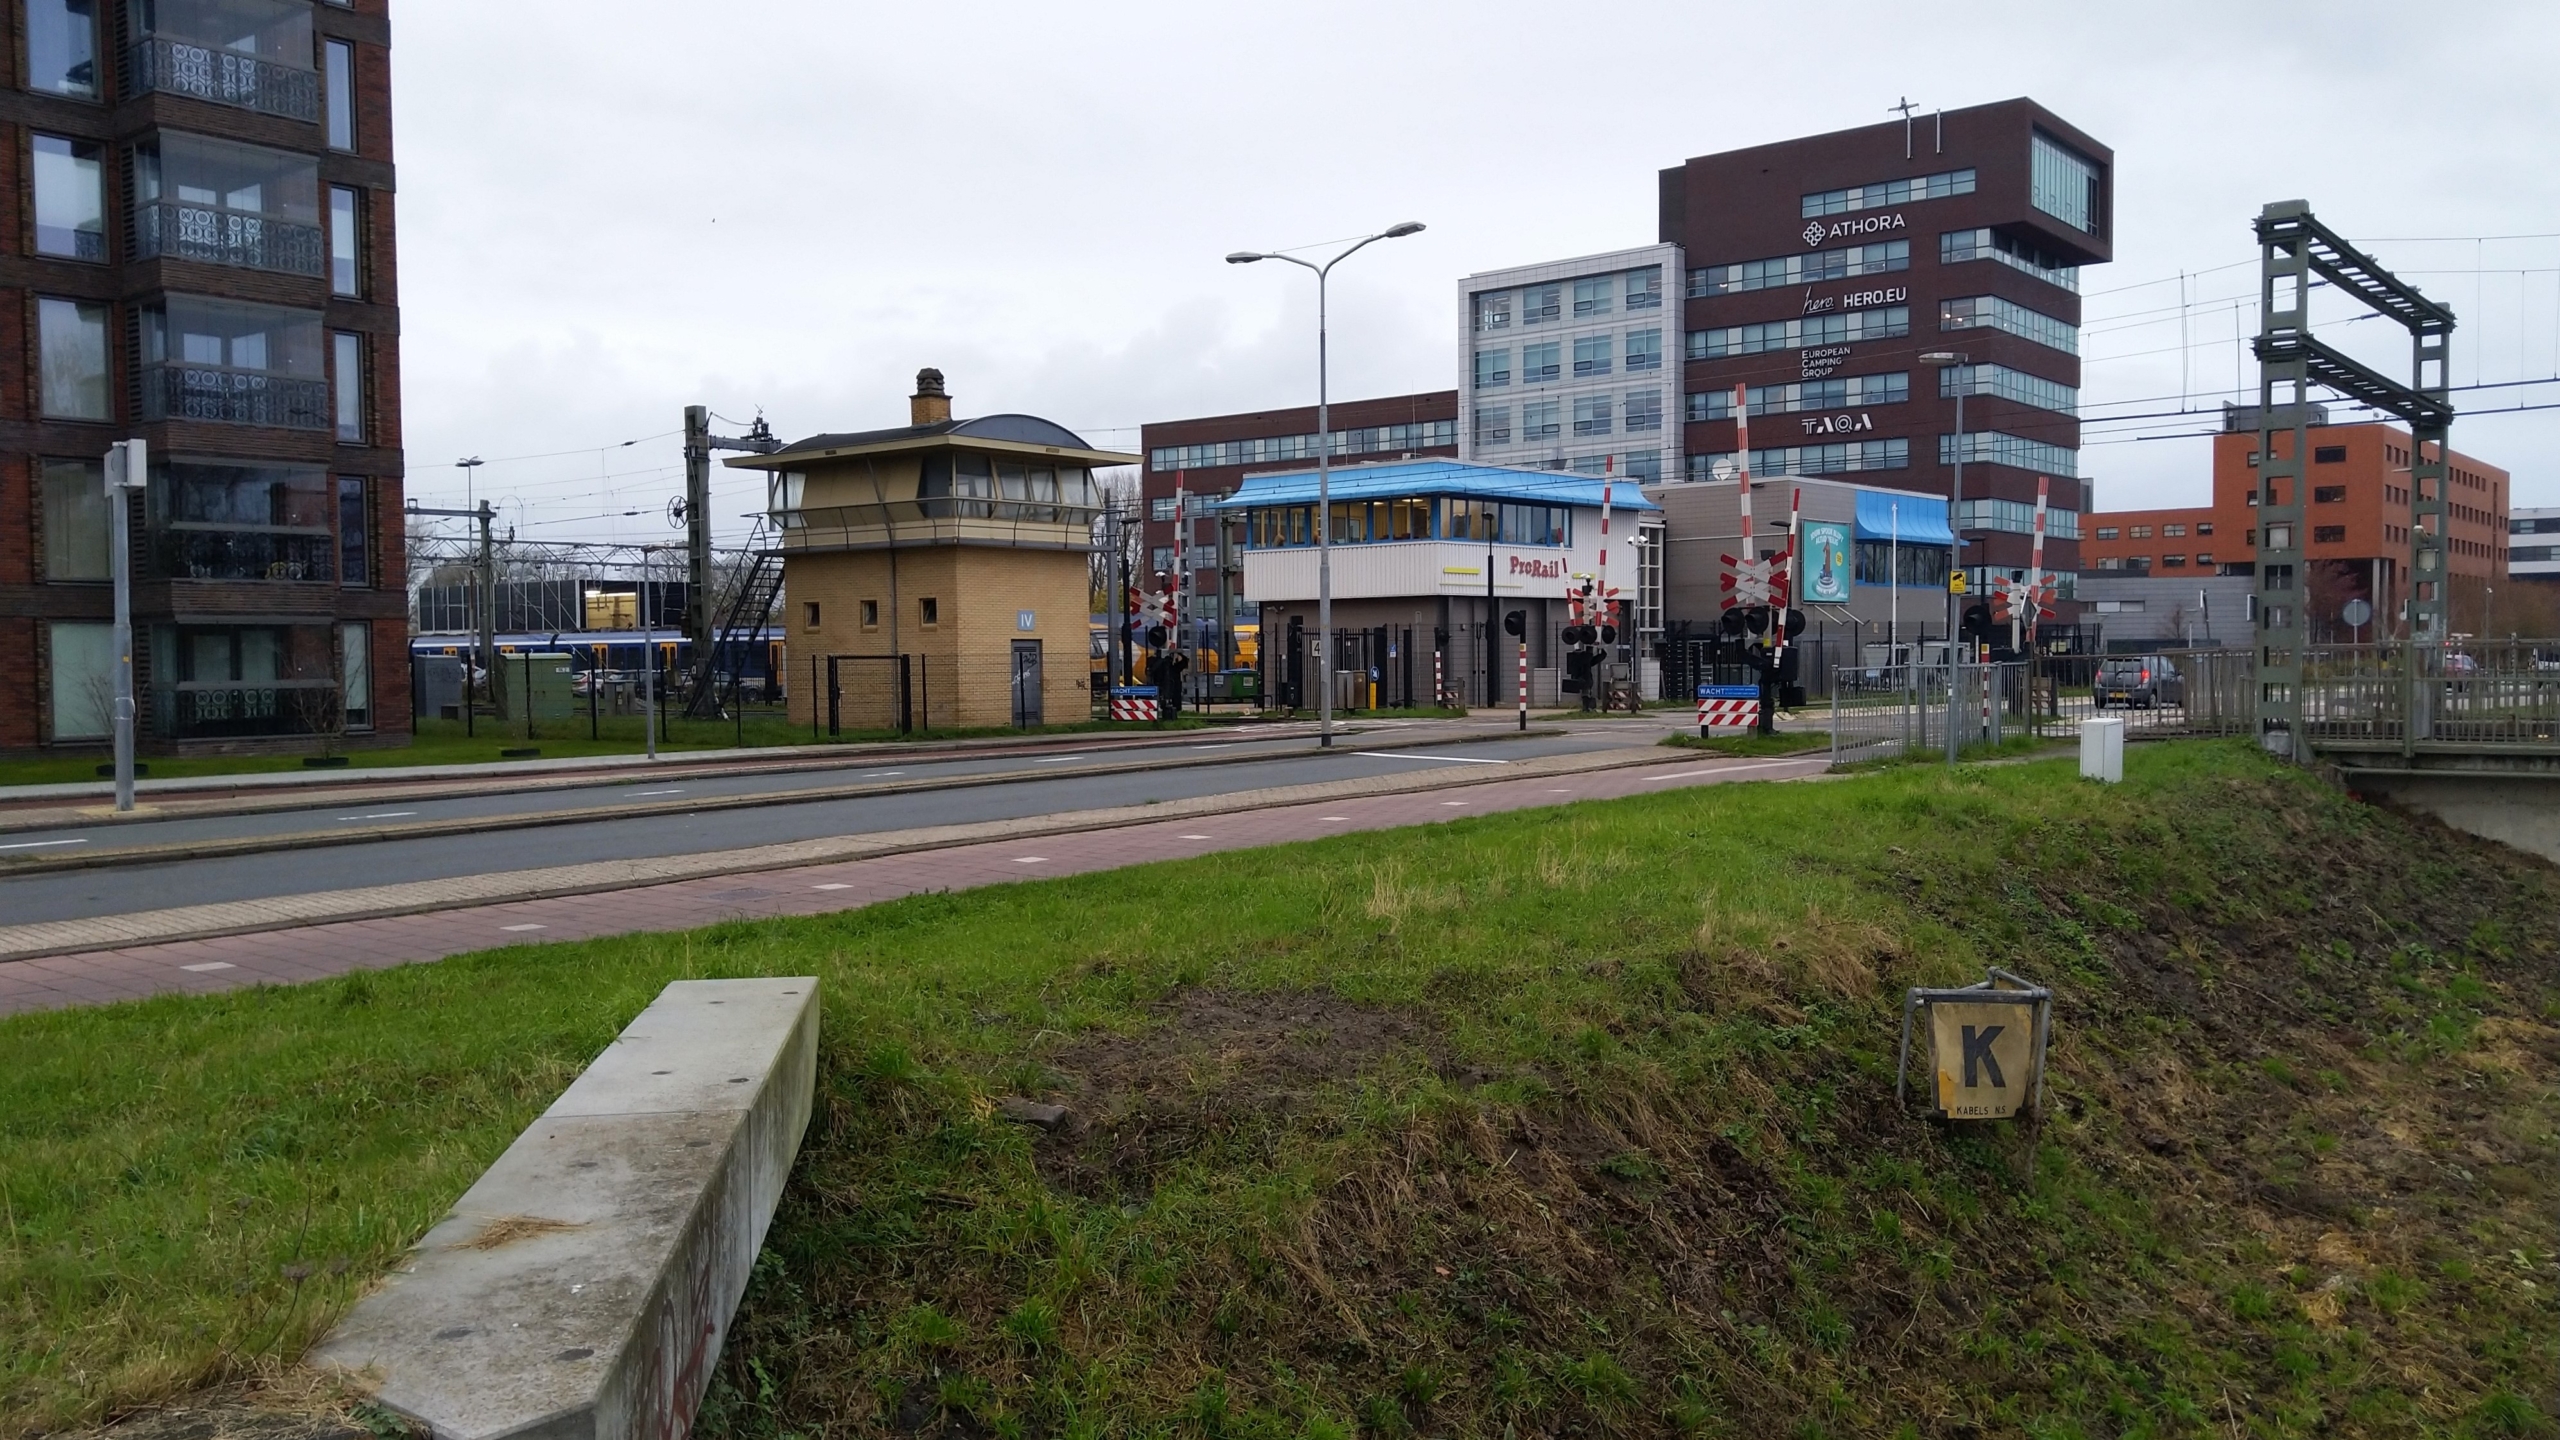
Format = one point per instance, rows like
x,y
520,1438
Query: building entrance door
x,y
1026,683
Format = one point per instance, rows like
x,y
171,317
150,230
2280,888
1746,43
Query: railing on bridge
x,y
2501,693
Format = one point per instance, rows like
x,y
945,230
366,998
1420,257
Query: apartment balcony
x,y
216,236
221,710
174,67
236,397
305,556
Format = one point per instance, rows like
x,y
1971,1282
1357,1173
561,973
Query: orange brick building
x,y
2358,517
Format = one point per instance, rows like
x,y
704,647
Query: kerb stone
x,y
583,1287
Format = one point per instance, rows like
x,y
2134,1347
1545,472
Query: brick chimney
x,y
929,405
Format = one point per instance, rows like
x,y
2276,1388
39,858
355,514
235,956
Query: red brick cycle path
x,y
317,951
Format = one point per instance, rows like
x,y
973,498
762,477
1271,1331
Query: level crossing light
x,y
1324,467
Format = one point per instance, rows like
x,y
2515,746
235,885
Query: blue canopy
x,y
1398,479
1916,519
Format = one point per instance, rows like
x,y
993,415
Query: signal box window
x,y
870,614
808,614
929,611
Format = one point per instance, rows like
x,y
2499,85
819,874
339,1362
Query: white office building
x,y
1573,365
2533,546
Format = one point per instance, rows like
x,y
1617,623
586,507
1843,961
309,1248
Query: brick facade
x,y
966,653
121,116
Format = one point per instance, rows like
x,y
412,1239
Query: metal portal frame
x,y
2294,248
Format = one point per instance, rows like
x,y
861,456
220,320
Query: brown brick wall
x,y
967,655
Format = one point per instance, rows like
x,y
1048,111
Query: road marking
x,y
1058,759
1230,745
1735,769
835,885
520,929
41,844
1453,802
1196,837
209,967
1559,792
879,774
639,793
1030,859
385,815
1443,759
1336,817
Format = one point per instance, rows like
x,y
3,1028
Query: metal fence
x,y
2501,693
1886,711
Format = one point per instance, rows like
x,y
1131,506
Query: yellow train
x,y
1205,660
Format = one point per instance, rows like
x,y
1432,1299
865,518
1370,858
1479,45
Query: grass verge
x,y
1568,1121
1752,745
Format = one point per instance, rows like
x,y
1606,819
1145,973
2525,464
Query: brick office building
x,y
1209,457
2358,518
200,254
1821,270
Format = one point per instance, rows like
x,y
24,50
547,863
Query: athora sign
x,y
1816,233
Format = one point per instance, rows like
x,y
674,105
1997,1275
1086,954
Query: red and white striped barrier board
x,y
1734,707
1135,702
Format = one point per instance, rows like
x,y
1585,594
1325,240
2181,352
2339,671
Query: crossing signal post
x,y
1516,625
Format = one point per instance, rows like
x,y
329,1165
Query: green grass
x,y
1571,1121
443,742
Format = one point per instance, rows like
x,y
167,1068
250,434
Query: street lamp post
x,y
1324,465
1942,360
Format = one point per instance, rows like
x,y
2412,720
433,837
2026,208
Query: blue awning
x,y
1917,519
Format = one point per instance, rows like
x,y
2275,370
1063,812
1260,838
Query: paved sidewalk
x,y
317,951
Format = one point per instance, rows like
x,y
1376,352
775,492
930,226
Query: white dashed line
x,y
1030,859
385,815
209,967
1453,802
638,794
838,885
520,929
1058,759
1196,837
879,774
1336,817
1440,759
41,844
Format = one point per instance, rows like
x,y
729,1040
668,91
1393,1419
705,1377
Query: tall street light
x,y
1324,466
1942,360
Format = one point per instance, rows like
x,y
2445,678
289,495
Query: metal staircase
x,y
748,612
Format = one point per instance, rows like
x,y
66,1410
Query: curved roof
x,y
1398,478
1022,429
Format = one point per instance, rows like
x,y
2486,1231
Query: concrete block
x,y
583,1287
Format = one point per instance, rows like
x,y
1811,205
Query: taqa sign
x,y
1815,232
1537,569
1841,424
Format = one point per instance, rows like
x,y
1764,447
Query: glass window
x,y
1644,410
1493,310
1541,363
2066,186
71,342
1957,246
1593,296
1990,447
1888,192
1591,355
1591,415
350,376
62,47
1541,420
1877,259
71,201
2106,532
2173,532
75,521
1493,367
355,540
1644,350
341,82
82,669
223,203
1994,313
228,360
1889,322
1644,288
2008,384
344,237
1493,424
1541,303
1160,508
355,674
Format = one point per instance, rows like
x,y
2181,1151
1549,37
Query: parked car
x,y
2139,681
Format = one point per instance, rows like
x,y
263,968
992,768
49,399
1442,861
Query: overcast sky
x,y
612,208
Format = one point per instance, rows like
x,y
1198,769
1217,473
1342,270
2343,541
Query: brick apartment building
x,y
1211,455
199,253
2358,517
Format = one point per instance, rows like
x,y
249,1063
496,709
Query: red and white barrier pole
x,y
1523,648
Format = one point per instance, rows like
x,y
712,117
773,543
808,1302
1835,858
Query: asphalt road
x,y
83,894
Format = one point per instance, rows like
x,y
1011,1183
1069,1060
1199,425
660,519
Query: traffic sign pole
x,y
1523,649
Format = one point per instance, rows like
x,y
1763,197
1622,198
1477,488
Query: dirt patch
x,y
507,1230
1217,1068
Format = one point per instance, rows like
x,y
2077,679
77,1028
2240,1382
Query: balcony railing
x,y
238,397
304,555
227,78
219,236
200,710
939,520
